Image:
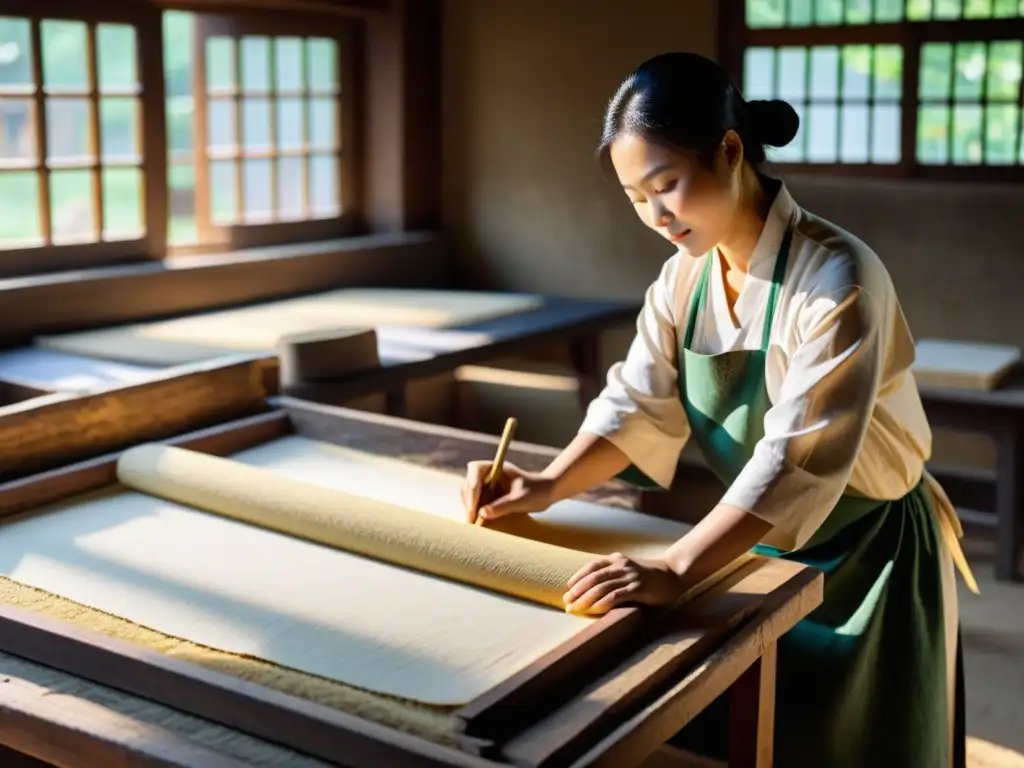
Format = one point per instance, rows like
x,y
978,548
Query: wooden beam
x,y
401,131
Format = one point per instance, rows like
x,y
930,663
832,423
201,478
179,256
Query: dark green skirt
x,y
861,681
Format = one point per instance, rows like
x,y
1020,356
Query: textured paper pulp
x,y
247,590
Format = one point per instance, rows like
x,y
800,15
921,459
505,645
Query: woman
x,y
775,340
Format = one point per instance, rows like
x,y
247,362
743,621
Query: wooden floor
x,y
992,626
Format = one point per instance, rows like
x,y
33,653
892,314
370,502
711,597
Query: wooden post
x,y
752,714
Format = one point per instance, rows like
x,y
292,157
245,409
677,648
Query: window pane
x,y
65,65
858,11
180,113
766,13
258,200
68,129
947,9
181,179
15,54
179,36
17,129
1003,9
290,123
792,73
222,191
800,12
794,151
885,133
288,64
122,203
967,140
220,64
919,10
290,187
19,226
828,12
323,68
256,123
977,9
970,70
71,206
323,123
856,71
220,132
855,134
759,73
936,70
116,57
324,185
889,10
256,64
933,134
823,133
825,73
119,128
1004,69
1001,129
888,72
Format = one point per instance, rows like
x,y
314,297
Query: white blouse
x,y
845,410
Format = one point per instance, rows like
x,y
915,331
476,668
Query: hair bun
x,y
774,122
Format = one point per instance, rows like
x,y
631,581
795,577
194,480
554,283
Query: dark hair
x,y
688,102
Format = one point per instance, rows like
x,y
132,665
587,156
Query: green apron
x,y
862,680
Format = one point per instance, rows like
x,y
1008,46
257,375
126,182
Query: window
x,y
928,88
70,133
267,116
129,131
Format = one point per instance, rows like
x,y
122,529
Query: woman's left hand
x,y
616,579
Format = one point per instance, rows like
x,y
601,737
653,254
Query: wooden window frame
x,y
393,135
735,37
216,237
145,20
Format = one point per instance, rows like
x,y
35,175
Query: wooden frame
x,y
40,433
735,37
560,712
51,256
271,26
390,180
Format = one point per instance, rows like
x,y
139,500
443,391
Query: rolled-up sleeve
x,y
815,429
640,410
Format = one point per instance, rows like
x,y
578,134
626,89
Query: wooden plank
x,y
261,712
34,439
791,592
56,484
557,675
60,303
678,644
56,730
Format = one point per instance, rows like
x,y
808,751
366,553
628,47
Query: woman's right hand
x,y
517,492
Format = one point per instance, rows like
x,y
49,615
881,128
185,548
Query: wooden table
x,y
406,354
580,713
999,414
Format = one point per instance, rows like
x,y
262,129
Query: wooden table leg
x,y
752,714
585,354
11,759
1009,498
395,402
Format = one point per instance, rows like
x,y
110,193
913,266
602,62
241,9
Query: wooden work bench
x,y
406,354
998,413
610,697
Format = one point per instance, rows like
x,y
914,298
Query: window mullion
x,y
45,221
